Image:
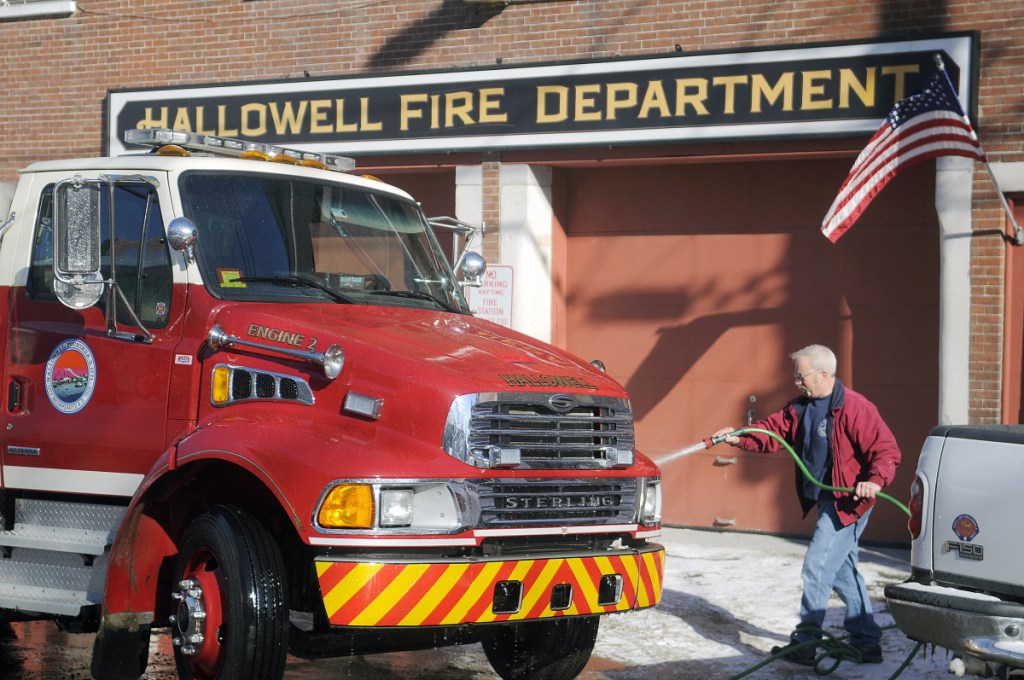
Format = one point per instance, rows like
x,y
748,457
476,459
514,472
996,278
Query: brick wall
x,y
57,71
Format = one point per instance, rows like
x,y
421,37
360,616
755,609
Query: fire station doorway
x,y
693,282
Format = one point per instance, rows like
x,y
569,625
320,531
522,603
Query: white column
x,y
953,204
469,194
526,222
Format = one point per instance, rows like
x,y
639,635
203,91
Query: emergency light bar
x,y
239,148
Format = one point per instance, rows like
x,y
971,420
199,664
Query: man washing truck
x,y
245,400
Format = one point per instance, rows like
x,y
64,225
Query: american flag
x,y
923,125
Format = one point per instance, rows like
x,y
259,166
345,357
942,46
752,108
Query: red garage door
x,y
694,282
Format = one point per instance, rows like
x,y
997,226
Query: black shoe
x,y
797,652
870,653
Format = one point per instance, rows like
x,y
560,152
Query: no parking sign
x,y
492,299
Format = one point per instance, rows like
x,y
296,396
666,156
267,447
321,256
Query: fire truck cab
x,y
245,401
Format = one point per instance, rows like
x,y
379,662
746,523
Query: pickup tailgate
x,y
977,509
965,592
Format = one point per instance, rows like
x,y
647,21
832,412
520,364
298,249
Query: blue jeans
x,y
831,564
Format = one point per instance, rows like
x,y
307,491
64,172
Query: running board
x,y
44,600
55,556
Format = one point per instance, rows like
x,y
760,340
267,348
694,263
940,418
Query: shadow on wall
x,y
418,37
908,17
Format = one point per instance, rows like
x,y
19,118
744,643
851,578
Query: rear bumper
x,y
980,625
367,593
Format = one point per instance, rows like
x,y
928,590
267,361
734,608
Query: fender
x,y
145,546
250,444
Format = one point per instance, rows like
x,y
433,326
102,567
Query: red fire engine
x,y
246,401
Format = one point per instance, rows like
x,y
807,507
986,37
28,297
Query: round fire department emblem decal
x,y
965,527
70,376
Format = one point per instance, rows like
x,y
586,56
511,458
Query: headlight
x,y
396,507
650,512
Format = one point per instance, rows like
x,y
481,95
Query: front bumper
x,y
368,593
979,625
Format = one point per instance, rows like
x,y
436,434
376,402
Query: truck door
x,y
86,409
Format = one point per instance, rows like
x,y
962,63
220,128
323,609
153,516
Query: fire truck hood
x,y
465,353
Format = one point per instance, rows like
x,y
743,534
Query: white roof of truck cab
x,y
143,163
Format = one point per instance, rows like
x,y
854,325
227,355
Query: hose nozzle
x,y
711,441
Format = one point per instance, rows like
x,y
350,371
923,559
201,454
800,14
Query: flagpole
x,y
1018,235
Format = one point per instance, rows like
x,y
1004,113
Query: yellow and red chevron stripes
x,y
452,593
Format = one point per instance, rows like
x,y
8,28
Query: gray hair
x,y
820,357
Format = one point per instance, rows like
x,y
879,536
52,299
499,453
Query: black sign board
x,y
788,92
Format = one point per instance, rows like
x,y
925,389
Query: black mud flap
x,y
120,653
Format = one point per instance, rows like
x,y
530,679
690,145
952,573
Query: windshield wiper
x,y
299,282
418,295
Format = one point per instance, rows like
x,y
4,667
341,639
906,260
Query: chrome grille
x,y
537,430
537,502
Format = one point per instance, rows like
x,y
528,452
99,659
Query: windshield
x,y
283,239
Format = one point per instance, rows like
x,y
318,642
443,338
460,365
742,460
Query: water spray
x,y
702,445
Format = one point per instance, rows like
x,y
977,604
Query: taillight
x,y
916,507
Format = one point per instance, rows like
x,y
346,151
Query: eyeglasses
x,y
800,377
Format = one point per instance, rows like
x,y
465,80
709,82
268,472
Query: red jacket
x,y
863,447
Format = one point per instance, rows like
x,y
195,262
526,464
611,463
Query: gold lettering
x,y
150,122
339,118
199,123
621,96
259,111
811,90
406,112
181,120
586,104
222,125
696,100
900,84
654,98
864,91
287,119
364,116
761,90
319,110
458,105
490,105
730,83
561,96
435,111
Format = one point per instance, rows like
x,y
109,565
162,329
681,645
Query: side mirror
x,y
472,268
182,234
76,244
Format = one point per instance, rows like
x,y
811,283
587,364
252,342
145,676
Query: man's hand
x,y
865,490
732,440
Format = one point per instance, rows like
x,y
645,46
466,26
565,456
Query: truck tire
x,y
230,618
542,650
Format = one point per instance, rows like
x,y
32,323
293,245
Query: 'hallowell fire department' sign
x,y
789,92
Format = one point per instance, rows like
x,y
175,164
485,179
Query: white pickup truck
x,y
966,588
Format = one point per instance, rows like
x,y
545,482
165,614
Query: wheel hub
x,y
189,621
